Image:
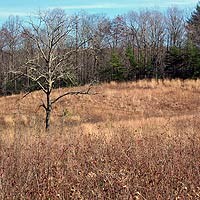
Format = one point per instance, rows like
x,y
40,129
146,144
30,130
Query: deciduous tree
x,y
53,57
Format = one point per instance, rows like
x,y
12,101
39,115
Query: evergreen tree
x,y
118,70
192,61
174,62
114,70
133,70
130,56
183,63
193,26
192,49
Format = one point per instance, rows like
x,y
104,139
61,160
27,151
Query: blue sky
x,y
109,7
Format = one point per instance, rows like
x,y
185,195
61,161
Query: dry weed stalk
x,y
117,149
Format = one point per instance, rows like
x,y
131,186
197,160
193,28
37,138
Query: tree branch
x,y
72,93
32,78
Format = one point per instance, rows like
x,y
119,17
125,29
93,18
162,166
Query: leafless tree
x,y
52,58
11,32
156,40
175,26
118,31
132,19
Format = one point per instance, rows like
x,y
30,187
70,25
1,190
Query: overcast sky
x,y
109,7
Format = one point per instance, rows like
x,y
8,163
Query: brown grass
x,y
130,141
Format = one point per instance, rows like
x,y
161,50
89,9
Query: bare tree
x,y
118,31
11,32
175,25
147,36
52,60
132,19
156,37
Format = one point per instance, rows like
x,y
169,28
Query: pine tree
x,y
192,60
174,62
133,69
193,26
192,49
118,70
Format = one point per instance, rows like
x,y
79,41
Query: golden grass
x,y
136,140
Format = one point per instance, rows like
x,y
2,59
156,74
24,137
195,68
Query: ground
x,y
134,140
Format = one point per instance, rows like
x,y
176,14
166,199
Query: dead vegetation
x,y
130,141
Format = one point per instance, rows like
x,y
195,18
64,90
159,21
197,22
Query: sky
x,y
109,7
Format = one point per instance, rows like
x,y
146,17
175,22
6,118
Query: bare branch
x,y
37,80
43,105
72,93
25,95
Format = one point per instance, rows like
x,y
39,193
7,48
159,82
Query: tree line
x,y
53,49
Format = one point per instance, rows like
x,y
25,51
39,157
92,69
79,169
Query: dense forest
x,y
53,49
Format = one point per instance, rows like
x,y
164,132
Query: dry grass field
x,y
136,140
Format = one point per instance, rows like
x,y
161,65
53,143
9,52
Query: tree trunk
x,y
48,111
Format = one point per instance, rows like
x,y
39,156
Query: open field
x,y
129,141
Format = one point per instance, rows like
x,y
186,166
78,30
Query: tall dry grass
x,y
131,141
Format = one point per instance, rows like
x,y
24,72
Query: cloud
x,y
94,6
184,2
126,5
15,13
137,4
